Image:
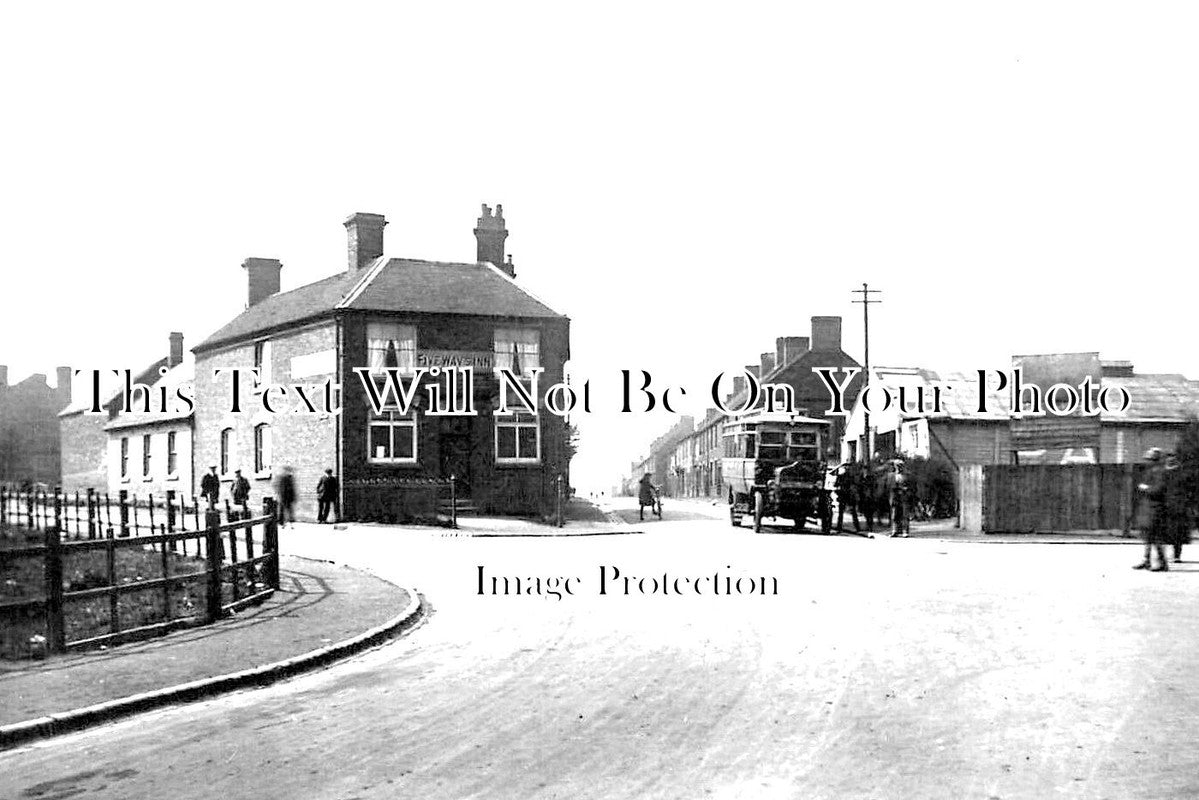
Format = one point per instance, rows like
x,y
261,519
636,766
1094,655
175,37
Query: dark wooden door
x,y
455,460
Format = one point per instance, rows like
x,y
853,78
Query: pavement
x,y
319,607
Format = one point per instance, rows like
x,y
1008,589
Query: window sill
x,y
124,479
518,462
147,478
265,475
173,477
394,463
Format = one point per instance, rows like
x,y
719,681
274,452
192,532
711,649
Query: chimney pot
x,y
489,238
365,234
262,275
3,376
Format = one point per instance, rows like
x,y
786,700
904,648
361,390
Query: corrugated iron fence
x,y
1025,498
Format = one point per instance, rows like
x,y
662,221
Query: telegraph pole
x,y
866,302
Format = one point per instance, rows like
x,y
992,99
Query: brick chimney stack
x,y
3,376
64,386
767,365
788,348
490,236
263,276
175,357
365,232
826,333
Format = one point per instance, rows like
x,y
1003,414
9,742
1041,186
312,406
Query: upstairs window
x,y
518,350
390,345
227,454
146,456
262,361
125,458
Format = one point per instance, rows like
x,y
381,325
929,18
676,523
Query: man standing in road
x,y
1149,511
899,500
326,498
286,488
847,496
210,486
241,494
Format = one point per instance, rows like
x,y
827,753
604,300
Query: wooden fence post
x,y
55,634
3,504
91,513
171,512
453,503
212,520
123,500
270,541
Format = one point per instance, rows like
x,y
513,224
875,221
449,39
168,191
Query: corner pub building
x,y
382,313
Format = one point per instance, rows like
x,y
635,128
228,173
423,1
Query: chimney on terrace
x,y
365,232
263,278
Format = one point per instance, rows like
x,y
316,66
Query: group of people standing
x,y
1163,510
877,488
327,493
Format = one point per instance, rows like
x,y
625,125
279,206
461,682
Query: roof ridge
x,y
512,281
372,272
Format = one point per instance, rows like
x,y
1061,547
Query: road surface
x,y
882,668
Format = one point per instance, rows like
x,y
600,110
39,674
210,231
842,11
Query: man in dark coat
x,y
241,494
1150,514
286,487
847,496
326,497
210,486
1175,507
899,487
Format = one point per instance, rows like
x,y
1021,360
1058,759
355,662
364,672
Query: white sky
x,y
685,181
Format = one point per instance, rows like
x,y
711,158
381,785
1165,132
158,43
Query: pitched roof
x,y
1154,398
180,376
83,403
397,284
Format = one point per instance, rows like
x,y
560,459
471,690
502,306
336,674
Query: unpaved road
x,y
882,669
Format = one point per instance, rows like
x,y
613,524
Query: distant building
x,y
693,468
84,438
29,435
379,313
660,461
1160,406
150,454
957,432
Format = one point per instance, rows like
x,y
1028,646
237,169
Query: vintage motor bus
x,y
774,466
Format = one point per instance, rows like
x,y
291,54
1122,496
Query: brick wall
x,y
306,442
495,488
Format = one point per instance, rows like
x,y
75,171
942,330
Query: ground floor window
x,y
392,439
172,455
517,439
262,448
